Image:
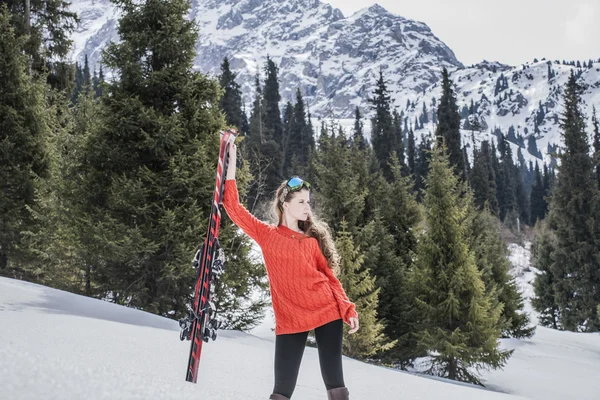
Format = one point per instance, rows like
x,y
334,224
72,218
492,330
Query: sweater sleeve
x,y
347,308
240,216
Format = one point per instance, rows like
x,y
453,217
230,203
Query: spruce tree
x,y
63,243
150,178
272,130
87,78
273,124
256,137
231,102
492,259
360,287
483,179
537,206
24,130
411,152
422,164
398,141
358,132
300,142
544,301
401,215
574,210
459,326
47,37
338,198
596,127
395,308
448,127
382,125
506,182
288,122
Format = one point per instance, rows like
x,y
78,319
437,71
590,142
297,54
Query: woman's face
x,y
299,206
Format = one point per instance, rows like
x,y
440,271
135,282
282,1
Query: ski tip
x,y
232,131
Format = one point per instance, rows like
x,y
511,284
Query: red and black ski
x,y
201,325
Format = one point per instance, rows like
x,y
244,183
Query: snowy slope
x,y
57,345
553,364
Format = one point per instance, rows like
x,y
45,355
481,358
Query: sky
x,y
510,31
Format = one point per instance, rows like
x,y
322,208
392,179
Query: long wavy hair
x,y
312,227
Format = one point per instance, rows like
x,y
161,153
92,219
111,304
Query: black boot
x,y
277,397
340,393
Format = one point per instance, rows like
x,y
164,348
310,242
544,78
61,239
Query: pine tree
x,y
151,165
492,259
386,266
400,214
422,165
338,198
47,37
231,102
256,137
288,148
301,141
596,126
460,322
360,287
78,82
506,183
99,87
382,126
573,211
544,301
358,132
521,175
398,140
272,130
24,131
87,79
62,244
273,124
411,152
448,128
483,179
537,201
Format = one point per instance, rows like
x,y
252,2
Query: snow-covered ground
x,y
57,345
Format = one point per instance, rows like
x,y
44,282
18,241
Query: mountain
x,y
332,59
335,61
523,102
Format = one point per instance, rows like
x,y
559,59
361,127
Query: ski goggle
x,y
292,185
296,183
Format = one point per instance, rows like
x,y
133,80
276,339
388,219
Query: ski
x,y
202,324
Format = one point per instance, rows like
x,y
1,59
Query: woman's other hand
x,y
354,325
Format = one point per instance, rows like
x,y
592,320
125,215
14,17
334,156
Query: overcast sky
x,y
508,31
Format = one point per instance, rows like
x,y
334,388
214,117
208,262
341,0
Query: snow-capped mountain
x,y
332,59
335,61
528,98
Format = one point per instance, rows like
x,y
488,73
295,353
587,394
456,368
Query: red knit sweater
x,y
304,291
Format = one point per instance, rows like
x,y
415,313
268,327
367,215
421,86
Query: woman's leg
x,y
288,355
329,344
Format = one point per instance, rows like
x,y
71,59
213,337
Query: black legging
x,y
290,348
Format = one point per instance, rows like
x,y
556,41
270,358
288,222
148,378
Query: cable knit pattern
x,y
304,290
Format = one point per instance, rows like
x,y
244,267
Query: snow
x,y
58,345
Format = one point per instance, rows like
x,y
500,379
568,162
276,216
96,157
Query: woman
x,y
299,256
